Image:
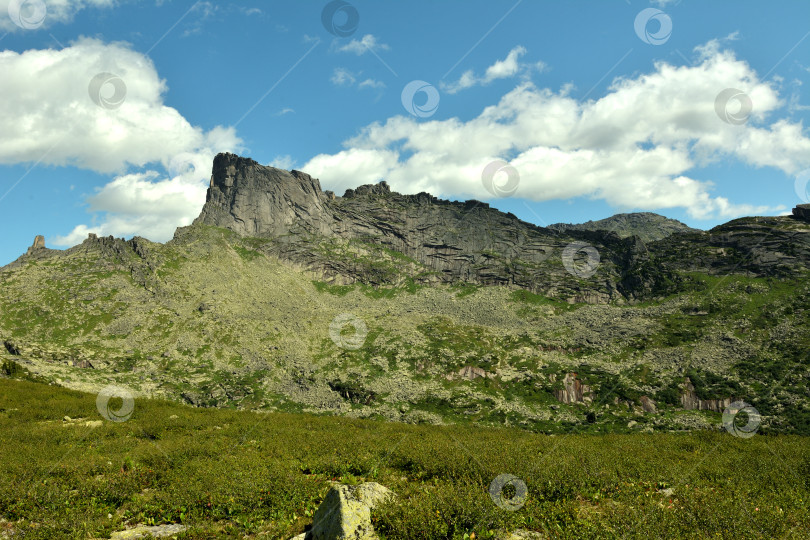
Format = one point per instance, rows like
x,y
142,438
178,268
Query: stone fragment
x,y
345,513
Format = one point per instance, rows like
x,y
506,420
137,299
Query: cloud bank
x,y
633,148
54,115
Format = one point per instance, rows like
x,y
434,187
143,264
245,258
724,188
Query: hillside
x,y
646,225
66,473
408,308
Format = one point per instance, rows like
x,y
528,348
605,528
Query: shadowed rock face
x,y
802,212
448,241
253,200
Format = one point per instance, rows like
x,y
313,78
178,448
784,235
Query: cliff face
x,y
432,240
380,237
253,200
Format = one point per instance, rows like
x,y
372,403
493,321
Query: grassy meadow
x,y
241,474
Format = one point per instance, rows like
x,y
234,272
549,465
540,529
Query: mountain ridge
x,y
648,226
451,319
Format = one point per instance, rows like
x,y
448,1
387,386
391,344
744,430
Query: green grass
x,y
527,297
247,254
236,474
337,290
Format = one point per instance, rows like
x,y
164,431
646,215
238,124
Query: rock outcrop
x,y
379,237
647,404
345,513
691,401
802,212
253,200
573,391
648,226
143,531
468,372
39,243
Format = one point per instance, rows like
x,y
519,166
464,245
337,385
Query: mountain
x,y
646,225
281,296
374,236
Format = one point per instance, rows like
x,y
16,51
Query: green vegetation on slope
x,y
213,320
237,474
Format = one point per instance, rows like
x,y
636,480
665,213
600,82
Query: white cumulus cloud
x,y
50,114
638,146
56,11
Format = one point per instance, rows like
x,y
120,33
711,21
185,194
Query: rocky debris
x,y
143,531
345,513
647,404
802,211
573,391
691,401
68,421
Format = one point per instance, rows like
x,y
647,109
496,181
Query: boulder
x,y
143,531
345,513
471,372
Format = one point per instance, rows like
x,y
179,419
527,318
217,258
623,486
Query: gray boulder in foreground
x,y
345,513
143,531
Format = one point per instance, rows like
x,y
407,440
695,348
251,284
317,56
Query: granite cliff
x,y
375,236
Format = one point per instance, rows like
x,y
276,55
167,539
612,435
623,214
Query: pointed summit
x,y
253,200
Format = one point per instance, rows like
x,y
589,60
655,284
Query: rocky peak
x,y
352,238
646,225
39,243
368,190
254,200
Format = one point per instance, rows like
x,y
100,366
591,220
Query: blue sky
x,y
111,111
